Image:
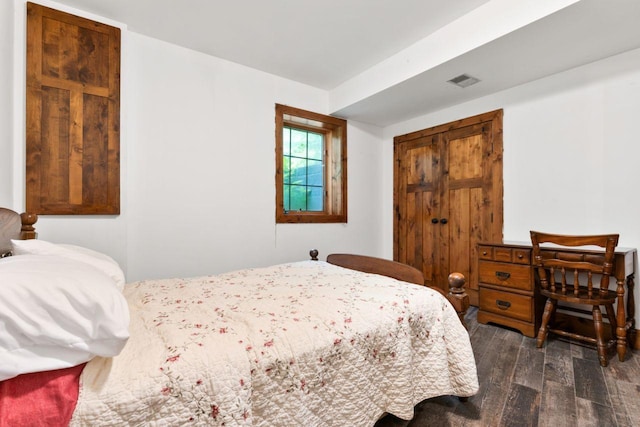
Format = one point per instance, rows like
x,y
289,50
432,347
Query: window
x,y
311,167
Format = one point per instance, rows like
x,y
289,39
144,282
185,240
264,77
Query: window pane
x,y
286,141
315,201
315,145
298,143
286,197
298,171
286,169
314,173
298,198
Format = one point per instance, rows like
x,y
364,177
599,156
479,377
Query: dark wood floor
x,y
561,384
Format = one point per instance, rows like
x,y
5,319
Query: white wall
x,y
201,192
6,102
571,152
198,168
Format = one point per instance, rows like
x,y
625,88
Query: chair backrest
x,y
568,268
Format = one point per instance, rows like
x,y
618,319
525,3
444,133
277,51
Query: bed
x,y
336,342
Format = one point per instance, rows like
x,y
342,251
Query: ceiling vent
x,y
463,80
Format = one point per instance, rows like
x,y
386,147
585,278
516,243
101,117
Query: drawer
x,y
485,252
522,256
508,275
507,304
502,254
505,254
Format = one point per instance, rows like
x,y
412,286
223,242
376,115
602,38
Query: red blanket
x,y
40,399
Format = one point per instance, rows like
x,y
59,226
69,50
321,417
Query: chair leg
x,y
613,320
602,346
549,309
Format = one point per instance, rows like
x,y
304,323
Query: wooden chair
x,y
577,277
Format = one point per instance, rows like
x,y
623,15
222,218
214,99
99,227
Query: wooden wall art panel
x,y
73,114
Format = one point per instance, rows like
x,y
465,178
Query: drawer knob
x,y
503,305
502,275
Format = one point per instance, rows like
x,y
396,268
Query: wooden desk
x,y
508,295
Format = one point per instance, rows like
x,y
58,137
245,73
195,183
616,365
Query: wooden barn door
x,y
448,197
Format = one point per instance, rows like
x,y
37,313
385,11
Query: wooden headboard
x,y
456,293
15,226
373,265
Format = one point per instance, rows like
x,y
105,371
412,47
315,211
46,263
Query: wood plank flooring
x,y
561,384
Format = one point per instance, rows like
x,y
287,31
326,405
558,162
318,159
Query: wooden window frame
x,y
335,165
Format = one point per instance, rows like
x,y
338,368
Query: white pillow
x,y
98,260
56,312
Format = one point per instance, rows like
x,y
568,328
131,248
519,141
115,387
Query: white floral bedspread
x,y
301,344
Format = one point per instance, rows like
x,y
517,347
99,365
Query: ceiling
x,y
340,46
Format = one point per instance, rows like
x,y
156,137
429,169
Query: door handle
x,y
434,220
443,221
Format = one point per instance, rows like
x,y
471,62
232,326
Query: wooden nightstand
x,y
508,295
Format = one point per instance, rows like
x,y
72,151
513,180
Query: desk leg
x,y
621,329
631,311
